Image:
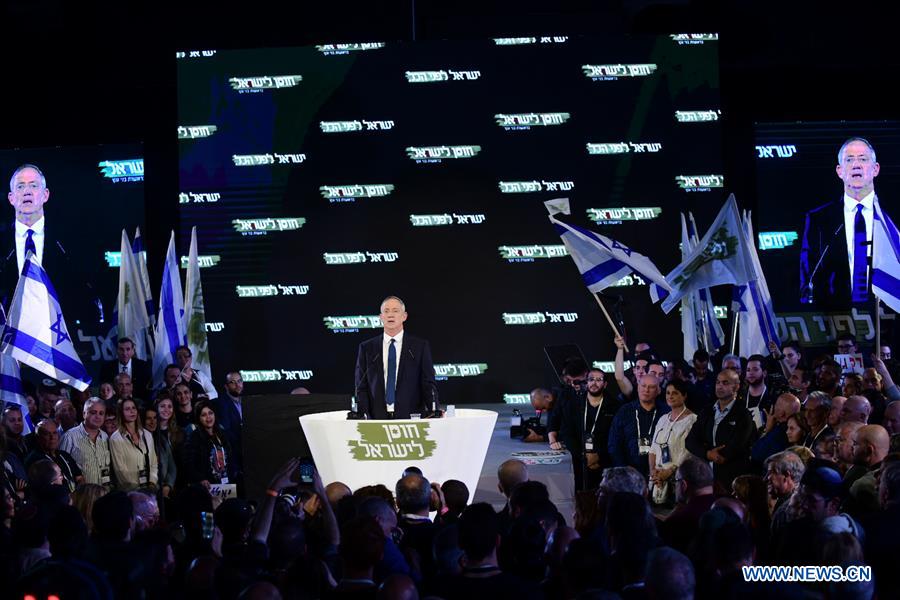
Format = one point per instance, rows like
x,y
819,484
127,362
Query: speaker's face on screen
x,y
858,169
392,315
28,193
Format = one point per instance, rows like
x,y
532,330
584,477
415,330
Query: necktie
x,y
860,257
390,392
124,368
29,243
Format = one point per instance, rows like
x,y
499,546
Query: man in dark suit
x,y
394,371
838,233
28,193
230,413
724,432
127,362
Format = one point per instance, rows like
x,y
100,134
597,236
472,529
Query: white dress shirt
x,y
22,235
129,460
127,368
850,225
398,346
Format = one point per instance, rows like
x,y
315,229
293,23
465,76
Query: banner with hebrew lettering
x,y
322,179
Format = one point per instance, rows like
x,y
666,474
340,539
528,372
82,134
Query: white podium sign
x,y
369,452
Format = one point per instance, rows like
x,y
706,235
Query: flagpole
x,y
877,326
734,329
608,318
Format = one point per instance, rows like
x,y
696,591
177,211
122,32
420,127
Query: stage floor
x,y
557,477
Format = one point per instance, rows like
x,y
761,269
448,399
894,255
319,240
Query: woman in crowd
x,y
207,452
168,438
668,449
132,451
150,418
83,499
107,392
797,430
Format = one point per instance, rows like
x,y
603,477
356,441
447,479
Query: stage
x,y
557,477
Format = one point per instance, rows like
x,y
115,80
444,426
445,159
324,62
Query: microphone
x,y
354,413
806,296
436,411
411,355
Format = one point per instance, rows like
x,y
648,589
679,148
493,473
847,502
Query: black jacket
x,y
736,432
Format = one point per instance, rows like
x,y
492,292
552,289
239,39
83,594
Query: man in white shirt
x,y
89,445
394,371
837,238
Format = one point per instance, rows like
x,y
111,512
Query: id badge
x,y
143,477
224,480
644,446
588,443
104,476
666,456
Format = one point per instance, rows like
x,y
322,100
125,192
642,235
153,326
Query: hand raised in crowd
x,y
770,418
286,475
620,342
774,350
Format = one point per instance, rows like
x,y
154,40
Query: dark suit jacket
x,y
141,375
737,432
568,418
229,420
71,282
415,378
824,234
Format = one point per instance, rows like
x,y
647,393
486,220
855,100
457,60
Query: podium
x,y
370,452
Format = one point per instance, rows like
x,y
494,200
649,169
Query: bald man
x,y
856,408
871,443
542,402
891,420
724,432
844,436
774,440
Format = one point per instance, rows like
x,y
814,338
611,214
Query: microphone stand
x,y
353,414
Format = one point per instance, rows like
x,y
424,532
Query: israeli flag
x,y
885,259
698,315
753,305
140,257
11,391
602,262
36,332
170,319
132,319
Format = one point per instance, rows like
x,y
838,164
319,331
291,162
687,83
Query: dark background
x,y
453,279
79,74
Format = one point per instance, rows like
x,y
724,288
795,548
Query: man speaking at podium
x,y
394,372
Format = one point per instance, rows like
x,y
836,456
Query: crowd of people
x,y
797,462
685,475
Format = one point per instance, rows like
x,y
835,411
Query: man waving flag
x,y
36,333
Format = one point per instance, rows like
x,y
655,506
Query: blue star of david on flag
x,y
36,333
59,328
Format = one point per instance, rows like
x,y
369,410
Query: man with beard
x,y
828,378
723,432
759,400
581,421
799,382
